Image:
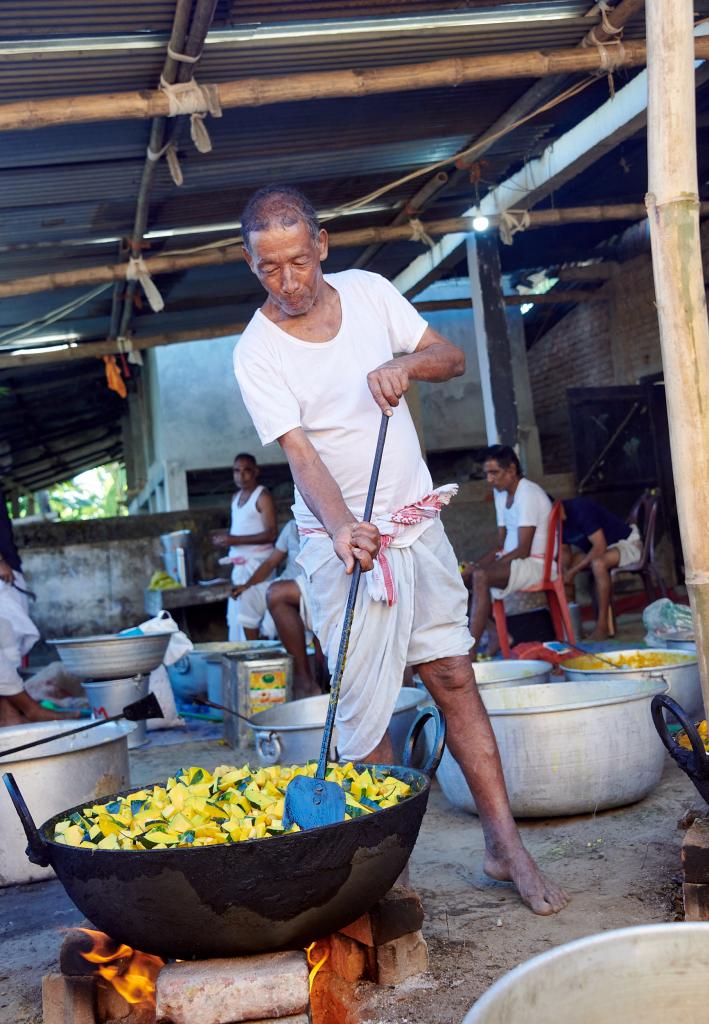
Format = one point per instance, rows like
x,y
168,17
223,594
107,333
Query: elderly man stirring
x,y
316,368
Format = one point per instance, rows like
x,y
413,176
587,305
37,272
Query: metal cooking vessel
x,y
681,674
88,766
112,656
511,673
652,973
292,732
249,897
569,748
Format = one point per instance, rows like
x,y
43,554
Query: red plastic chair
x,y
554,589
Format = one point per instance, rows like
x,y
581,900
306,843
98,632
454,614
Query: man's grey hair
x,y
278,206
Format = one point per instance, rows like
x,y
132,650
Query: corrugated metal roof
x,y
65,187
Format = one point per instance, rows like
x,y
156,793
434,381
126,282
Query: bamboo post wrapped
x,y
673,210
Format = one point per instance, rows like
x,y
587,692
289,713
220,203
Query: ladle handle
x,y
695,760
349,608
430,713
37,849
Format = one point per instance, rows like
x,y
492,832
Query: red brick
x,y
224,991
695,852
401,959
696,902
347,958
398,913
336,1001
67,1000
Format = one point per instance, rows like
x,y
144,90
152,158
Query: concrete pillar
x,y
530,451
492,339
175,487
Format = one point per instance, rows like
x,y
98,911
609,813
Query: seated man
x,y
279,609
17,634
522,509
604,542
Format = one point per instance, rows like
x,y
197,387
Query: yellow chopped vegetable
x,y
228,805
683,739
638,659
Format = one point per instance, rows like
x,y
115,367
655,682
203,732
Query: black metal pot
x,y
249,897
694,762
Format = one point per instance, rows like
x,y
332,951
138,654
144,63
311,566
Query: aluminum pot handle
x,y
429,713
37,850
269,747
694,761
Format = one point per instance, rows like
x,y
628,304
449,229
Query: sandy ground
x,y
620,866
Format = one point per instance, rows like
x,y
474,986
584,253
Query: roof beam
x,y
264,90
617,119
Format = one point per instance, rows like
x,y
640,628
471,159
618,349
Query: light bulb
x,y
480,223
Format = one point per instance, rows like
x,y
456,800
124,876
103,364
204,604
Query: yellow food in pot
x,y
638,659
229,805
683,739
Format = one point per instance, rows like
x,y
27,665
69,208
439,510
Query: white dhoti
x,y
253,613
18,634
425,621
241,572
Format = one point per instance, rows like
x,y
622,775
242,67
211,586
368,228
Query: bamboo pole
x,y
262,91
338,239
673,209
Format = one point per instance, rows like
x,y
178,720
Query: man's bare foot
x,y
541,895
599,633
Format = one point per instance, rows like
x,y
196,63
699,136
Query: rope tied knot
x,y
137,270
419,233
511,223
610,51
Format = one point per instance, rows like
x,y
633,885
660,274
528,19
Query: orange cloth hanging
x,y
113,376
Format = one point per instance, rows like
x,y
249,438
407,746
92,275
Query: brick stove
x,y
382,948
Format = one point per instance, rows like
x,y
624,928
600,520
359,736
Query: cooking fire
x,y
133,974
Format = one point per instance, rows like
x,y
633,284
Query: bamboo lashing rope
x,y
611,51
138,271
419,233
511,223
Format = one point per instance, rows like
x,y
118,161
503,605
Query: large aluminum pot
x,y
679,669
113,656
511,673
292,733
653,973
569,748
80,768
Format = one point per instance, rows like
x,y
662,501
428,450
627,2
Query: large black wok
x,y
249,897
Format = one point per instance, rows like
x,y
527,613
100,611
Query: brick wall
x,y
598,344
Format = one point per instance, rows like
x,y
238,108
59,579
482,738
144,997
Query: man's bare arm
x,y
350,538
435,359
525,536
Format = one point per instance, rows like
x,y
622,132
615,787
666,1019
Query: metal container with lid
x,y
252,684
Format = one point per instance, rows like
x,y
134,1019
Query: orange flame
x,y
135,978
314,964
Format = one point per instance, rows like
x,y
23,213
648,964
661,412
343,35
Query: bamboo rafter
x,y
261,91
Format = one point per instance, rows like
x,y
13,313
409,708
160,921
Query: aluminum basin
x,y
81,768
511,673
653,973
292,733
680,671
112,656
569,748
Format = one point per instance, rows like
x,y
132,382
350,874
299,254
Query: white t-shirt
x,y
322,387
530,507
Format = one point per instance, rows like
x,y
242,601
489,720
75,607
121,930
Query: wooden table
x,y
196,609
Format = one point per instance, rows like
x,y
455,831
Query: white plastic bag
x,y
179,643
160,686
663,617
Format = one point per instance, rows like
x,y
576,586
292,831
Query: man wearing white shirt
x,y
522,509
316,369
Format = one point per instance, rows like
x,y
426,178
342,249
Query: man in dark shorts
x,y
603,542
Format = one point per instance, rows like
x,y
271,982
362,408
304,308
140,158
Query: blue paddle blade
x,y
311,803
